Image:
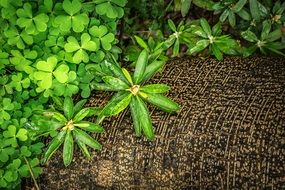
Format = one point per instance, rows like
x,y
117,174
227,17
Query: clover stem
x,y
135,89
32,173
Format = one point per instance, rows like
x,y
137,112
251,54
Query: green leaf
x,y
232,19
84,149
155,88
115,83
152,69
216,51
71,7
206,27
144,119
239,5
135,116
127,75
254,10
22,134
89,126
162,102
185,6
121,105
68,107
142,43
140,66
54,145
200,45
68,149
171,25
81,115
249,36
86,139
79,105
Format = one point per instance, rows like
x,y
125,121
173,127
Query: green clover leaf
x,y
32,25
102,36
3,59
18,82
22,62
5,151
18,39
74,19
6,106
46,72
69,88
11,135
80,50
4,86
110,8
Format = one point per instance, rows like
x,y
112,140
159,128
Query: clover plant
x,y
132,92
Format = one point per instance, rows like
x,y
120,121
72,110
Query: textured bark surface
x,y
230,134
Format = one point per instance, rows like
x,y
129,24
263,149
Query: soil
x,y
230,134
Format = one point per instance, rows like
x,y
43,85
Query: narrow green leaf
x,y
155,88
163,102
254,10
144,119
68,107
128,76
116,83
81,115
171,25
68,148
142,43
84,149
185,6
249,36
239,5
135,116
79,105
89,126
59,117
216,51
54,145
140,66
232,19
86,139
206,27
152,69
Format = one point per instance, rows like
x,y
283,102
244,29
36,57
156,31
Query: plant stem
x,y
32,173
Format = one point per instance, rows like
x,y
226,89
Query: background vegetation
x,y
54,50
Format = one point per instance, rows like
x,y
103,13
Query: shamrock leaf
x,y
74,19
5,151
32,25
22,62
80,50
4,86
3,59
110,8
46,72
85,78
68,88
11,135
7,105
18,39
101,36
18,82
55,43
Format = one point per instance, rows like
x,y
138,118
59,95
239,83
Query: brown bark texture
x,y
229,134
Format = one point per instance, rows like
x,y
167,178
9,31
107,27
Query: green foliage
x,y
132,92
70,125
218,43
268,41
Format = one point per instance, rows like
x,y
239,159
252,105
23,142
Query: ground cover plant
x,y
53,51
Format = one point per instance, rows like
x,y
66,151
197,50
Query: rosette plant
x,y
68,127
132,93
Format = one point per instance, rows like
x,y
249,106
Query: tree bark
x,y
228,135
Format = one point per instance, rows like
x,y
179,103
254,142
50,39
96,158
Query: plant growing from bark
x,y
132,93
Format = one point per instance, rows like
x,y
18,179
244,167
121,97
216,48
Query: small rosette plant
x,y
71,127
132,93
